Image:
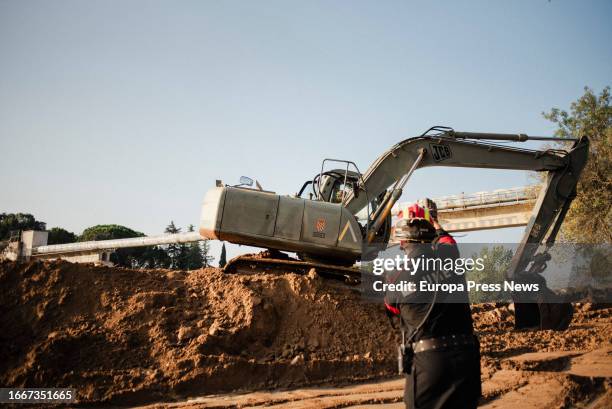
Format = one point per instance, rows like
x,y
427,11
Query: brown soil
x,y
124,336
554,388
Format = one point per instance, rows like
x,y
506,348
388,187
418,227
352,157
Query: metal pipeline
x,y
118,243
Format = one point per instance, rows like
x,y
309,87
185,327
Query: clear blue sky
x,y
127,112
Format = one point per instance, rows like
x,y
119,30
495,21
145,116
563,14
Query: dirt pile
x,y
591,329
131,336
127,336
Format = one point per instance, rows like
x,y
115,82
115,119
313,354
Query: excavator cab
x,y
331,186
335,185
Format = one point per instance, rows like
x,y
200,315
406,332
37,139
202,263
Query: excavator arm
x,y
461,149
450,151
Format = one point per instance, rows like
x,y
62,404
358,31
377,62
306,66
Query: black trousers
x,y
444,379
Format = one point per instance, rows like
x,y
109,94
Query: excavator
x,y
341,214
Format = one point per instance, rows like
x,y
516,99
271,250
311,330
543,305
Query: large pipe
x,y
118,243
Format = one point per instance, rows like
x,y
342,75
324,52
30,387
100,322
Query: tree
x,y
149,257
57,235
197,253
207,258
591,267
496,261
589,219
177,252
18,221
194,256
108,232
152,257
222,257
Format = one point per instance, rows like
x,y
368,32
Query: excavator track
x,y
279,263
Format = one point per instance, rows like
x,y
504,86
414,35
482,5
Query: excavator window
x,y
335,189
334,185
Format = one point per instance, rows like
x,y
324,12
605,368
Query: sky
x,y
127,112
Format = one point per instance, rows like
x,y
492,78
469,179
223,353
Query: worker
x,y
439,354
428,210
430,213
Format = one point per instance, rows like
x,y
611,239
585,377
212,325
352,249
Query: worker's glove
x,y
431,205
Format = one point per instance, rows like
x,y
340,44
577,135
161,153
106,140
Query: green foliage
x,y
591,266
589,219
175,256
137,257
57,235
196,254
108,232
177,252
151,257
18,221
223,257
208,259
496,262
193,258
145,257
189,256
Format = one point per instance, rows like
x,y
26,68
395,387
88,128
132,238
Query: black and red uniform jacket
x,y
442,237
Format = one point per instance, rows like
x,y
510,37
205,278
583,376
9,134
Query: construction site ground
x,y
202,338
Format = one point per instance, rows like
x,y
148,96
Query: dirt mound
x,y
591,329
131,336
127,336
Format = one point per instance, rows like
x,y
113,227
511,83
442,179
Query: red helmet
x,y
415,224
415,211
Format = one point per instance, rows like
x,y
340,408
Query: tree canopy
x,y
127,257
496,261
196,253
589,219
18,221
57,235
186,256
108,232
177,252
223,257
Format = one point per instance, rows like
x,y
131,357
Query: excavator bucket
x,y
555,316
